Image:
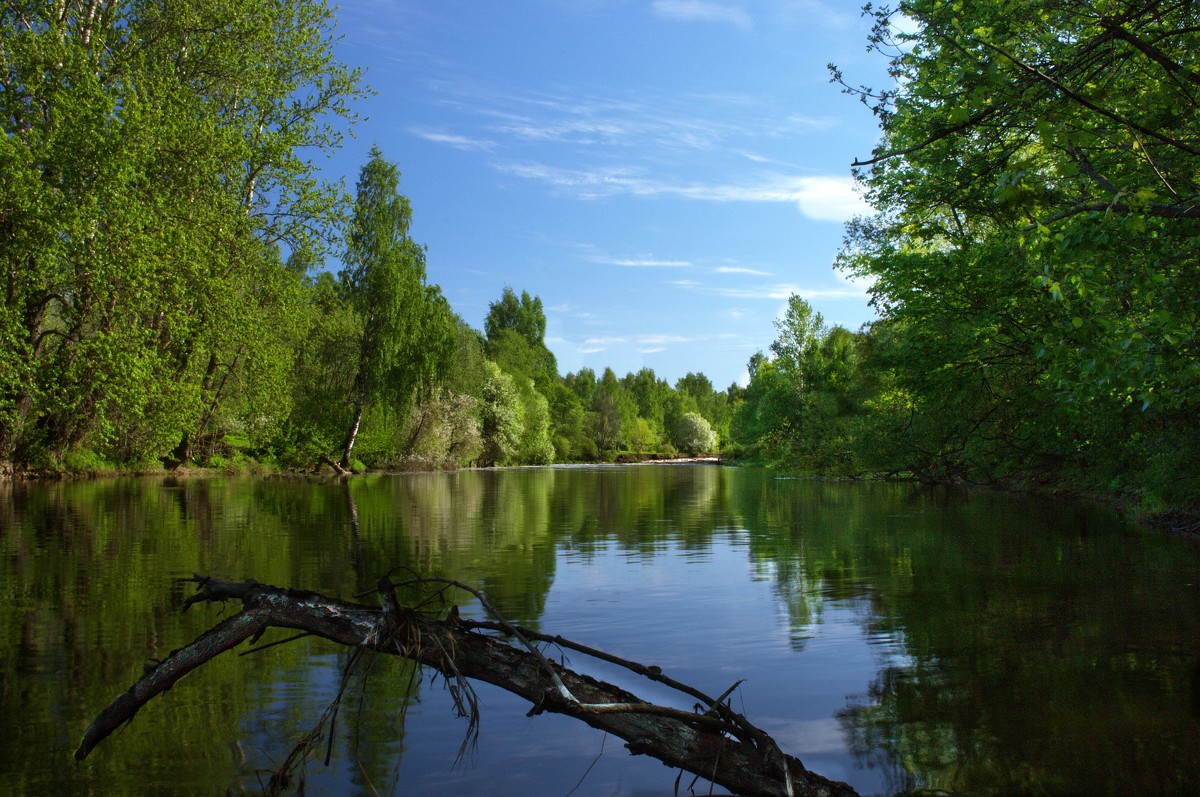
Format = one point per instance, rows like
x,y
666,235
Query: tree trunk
x,y
712,741
360,399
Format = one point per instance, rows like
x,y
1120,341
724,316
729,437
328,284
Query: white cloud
x,y
593,345
753,272
825,198
643,261
830,199
634,119
776,291
701,11
662,340
453,140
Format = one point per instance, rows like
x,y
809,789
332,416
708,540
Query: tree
x,y
695,435
535,446
524,316
567,420
711,403
442,431
516,331
501,417
583,384
405,324
798,340
651,395
765,425
641,436
1038,163
150,173
613,409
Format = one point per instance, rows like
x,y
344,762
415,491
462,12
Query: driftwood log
x,y
713,741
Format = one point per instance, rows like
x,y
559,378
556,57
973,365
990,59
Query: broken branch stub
x,y
713,742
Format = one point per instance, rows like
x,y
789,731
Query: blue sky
x,y
662,173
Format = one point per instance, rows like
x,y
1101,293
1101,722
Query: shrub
x,y
694,434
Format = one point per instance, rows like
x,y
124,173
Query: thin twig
x,y
269,645
508,627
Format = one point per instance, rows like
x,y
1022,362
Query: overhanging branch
x,y
713,741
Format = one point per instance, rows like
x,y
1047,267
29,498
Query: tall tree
x,y
406,331
613,410
1037,191
524,316
149,172
516,333
503,419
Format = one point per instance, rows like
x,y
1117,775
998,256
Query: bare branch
x,y
718,745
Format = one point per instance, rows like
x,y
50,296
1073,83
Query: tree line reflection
x,y
1046,646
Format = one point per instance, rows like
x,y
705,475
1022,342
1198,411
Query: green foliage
x,y
613,410
697,391
408,331
1032,257
535,446
799,409
694,435
516,331
163,239
150,171
568,418
501,417
641,436
524,316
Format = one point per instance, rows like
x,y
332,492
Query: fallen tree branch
x,y
713,742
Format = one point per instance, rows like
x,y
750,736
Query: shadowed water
x,y
894,638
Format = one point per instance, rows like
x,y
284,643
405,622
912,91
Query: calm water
x,y
890,637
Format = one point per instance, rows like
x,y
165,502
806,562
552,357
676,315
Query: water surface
x,y
891,637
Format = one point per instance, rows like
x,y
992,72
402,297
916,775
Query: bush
x,y
694,435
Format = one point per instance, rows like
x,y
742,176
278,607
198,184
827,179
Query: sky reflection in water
x,y
890,637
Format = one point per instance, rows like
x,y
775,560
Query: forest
x,y
183,288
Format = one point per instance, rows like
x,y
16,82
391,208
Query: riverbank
x,y
1181,522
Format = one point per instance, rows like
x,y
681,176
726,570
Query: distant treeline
x,y
164,235
165,238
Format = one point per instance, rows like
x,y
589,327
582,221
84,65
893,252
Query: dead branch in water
x,y
712,741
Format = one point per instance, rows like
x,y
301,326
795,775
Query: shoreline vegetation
x,y
1179,523
1031,257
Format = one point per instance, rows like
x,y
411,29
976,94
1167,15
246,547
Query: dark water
x,y
968,642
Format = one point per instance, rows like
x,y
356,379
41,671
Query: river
x,y
892,637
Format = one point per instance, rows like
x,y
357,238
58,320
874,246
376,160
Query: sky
x,y
663,174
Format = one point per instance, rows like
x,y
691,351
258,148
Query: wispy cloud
x,y
453,140
824,198
662,340
592,145
648,343
604,343
753,272
644,261
635,119
774,291
571,310
701,11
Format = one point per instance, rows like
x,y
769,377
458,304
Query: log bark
x,y
712,741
